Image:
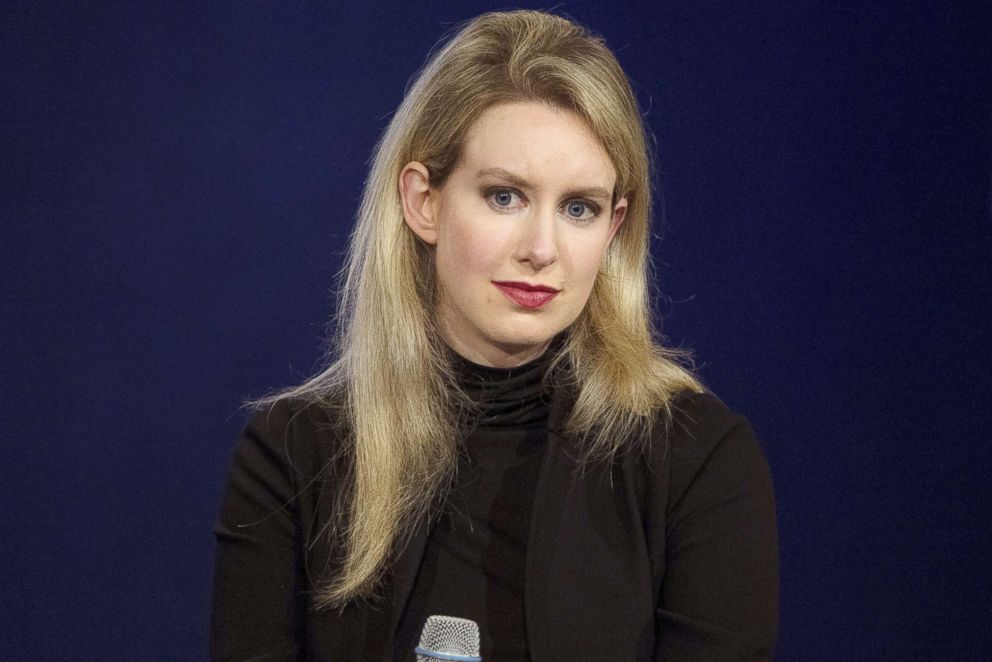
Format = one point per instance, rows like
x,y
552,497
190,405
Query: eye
x,y
580,210
504,199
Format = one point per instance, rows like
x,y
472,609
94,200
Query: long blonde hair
x,y
388,358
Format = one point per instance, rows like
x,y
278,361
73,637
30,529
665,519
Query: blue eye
x,y
579,210
504,199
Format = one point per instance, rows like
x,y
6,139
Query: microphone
x,y
449,638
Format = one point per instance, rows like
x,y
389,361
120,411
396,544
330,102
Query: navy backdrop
x,y
178,181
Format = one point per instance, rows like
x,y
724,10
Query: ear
x,y
619,213
418,205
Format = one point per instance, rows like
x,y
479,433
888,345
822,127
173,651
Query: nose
x,y
538,243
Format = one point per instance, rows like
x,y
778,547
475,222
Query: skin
x,y
529,202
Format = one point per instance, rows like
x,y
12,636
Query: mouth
x,y
526,295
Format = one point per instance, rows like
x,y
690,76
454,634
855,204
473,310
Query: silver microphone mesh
x,y
447,635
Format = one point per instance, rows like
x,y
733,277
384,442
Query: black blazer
x,y
666,554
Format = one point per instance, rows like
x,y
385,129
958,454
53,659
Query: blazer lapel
x,y
588,579
550,496
404,571
403,574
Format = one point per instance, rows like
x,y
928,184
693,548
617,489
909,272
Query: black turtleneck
x,y
474,563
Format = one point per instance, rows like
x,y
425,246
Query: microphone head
x,y
449,638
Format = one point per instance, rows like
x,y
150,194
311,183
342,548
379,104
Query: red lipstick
x,y
526,295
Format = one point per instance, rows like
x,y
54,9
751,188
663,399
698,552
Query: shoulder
x,y
286,460
701,416
294,417
291,436
706,446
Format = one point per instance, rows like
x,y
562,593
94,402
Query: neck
x,y
498,356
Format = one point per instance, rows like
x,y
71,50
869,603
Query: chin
x,y
517,342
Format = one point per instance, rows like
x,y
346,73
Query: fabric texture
x,y
664,554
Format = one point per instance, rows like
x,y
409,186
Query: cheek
x,y
471,237
466,254
586,257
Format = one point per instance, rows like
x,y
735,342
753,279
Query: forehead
x,y
539,143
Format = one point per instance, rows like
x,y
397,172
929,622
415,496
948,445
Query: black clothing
x,y
474,562
666,554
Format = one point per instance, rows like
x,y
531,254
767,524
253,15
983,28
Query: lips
x,y
526,295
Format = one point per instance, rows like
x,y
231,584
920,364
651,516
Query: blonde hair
x,y
388,358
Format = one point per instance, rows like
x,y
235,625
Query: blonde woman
x,y
498,436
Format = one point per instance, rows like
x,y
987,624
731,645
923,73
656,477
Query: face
x,y
519,227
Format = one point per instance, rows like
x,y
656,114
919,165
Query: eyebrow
x,y
516,180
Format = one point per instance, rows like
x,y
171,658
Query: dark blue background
x,y
178,181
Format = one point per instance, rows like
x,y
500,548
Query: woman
x,y
498,436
